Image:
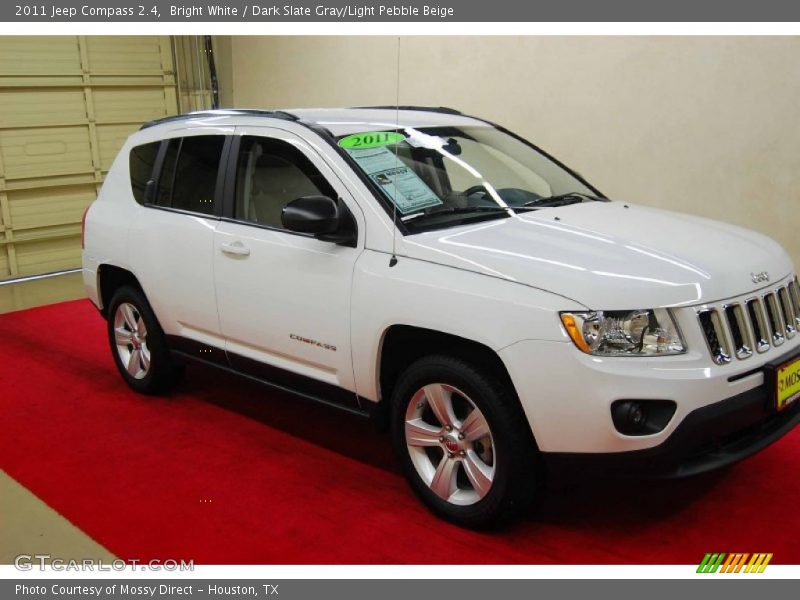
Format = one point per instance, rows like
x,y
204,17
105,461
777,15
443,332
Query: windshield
x,y
439,177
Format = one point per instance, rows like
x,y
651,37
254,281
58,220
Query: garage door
x,y
66,106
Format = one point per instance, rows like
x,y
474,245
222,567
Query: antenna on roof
x,y
393,260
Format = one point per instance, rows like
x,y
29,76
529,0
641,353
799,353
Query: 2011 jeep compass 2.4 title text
x,y
438,270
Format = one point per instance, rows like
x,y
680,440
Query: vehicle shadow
x,y
335,430
595,503
616,504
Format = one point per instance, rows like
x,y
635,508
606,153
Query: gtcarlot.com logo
x,y
42,562
734,562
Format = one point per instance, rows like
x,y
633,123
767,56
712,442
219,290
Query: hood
x,y
611,256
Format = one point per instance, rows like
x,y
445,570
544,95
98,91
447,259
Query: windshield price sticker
x,y
371,139
400,183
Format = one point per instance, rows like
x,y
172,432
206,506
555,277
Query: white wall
x,y
708,125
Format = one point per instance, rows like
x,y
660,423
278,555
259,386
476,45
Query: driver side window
x,y
270,174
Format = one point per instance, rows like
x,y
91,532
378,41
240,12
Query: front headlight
x,y
624,332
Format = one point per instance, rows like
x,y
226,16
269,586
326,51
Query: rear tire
x,y
138,344
463,442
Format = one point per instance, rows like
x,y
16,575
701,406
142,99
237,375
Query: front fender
x,y
491,311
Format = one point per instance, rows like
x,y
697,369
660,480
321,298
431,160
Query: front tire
x,y
463,442
138,344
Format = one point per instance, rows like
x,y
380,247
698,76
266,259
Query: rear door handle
x,y
235,249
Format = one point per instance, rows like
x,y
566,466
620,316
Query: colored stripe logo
x,y
736,562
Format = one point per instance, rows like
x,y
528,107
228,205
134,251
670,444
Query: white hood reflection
x,y
608,256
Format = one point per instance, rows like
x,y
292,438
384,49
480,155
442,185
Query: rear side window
x,y
141,161
187,179
195,178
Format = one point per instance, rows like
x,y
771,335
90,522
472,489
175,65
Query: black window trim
x,y
229,193
153,168
222,172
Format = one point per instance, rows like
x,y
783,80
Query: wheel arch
x,y
109,279
401,345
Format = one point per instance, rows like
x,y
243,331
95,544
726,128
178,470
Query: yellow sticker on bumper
x,y
788,384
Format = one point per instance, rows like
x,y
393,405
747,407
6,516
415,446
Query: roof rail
x,y
435,109
252,112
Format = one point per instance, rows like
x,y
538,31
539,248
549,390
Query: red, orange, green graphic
x,y
734,562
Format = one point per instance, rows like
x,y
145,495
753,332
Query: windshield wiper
x,y
455,210
560,199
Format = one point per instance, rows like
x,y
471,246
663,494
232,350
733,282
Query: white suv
x,y
453,281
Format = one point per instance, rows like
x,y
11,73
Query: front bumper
x,y
567,395
708,438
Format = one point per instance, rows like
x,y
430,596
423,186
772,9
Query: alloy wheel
x,y
130,336
450,444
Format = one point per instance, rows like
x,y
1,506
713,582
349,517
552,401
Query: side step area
x,y
272,377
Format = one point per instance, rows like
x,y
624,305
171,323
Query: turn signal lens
x,y
574,331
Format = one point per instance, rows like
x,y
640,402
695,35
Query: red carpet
x,y
225,471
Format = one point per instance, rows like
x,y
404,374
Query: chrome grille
x,y
789,316
777,325
740,328
755,311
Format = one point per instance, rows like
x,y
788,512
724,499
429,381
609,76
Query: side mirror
x,y
317,215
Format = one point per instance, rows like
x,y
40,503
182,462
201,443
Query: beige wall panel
x,y
45,151
223,49
48,255
36,55
128,105
62,81
28,107
41,234
129,81
53,181
110,139
124,55
67,105
45,207
4,270
706,125
195,100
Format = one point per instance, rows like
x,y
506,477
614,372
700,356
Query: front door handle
x,y
235,249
